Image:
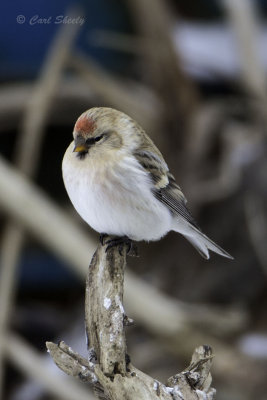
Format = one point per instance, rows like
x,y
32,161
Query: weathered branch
x,y
109,369
104,313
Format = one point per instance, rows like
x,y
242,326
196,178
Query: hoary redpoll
x,y
120,184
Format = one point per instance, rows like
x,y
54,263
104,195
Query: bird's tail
x,y
200,241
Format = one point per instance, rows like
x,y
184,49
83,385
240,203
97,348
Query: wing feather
x,y
166,190
165,187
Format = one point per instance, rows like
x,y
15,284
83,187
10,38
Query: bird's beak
x,y
80,145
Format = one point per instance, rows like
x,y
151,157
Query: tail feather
x,y
201,242
202,249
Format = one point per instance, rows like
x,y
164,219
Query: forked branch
x,y
108,368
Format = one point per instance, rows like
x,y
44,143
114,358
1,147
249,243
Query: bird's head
x,y
101,129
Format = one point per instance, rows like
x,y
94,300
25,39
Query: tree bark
x,y
108,367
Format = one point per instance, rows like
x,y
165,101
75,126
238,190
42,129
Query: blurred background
x,y
193,74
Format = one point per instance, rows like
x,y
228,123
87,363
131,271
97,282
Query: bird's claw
x,y
121,242
102,238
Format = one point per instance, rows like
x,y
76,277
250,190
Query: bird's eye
x,y
93,140
98,138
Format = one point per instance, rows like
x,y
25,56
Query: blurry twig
x,y
40,103
39,215
257,227
27,153
210,125
133,99
165,315
244,23
240,144
26,359
73,95
69,98
205,122
244,20
154,23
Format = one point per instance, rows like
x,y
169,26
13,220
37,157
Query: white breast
x,y
115,197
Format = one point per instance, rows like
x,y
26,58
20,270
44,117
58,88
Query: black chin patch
x,y
81,154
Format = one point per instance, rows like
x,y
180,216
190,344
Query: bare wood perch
x,y
108,368
104,311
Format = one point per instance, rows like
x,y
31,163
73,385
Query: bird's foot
x,y
122,241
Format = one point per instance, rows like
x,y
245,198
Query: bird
x,y
121,186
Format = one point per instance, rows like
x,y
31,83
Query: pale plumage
x,y
120,184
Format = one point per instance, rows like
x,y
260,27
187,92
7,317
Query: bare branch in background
x,y
257,227
41,217
27,153
30,363
71,95
134,99
245,25
154,22
74,95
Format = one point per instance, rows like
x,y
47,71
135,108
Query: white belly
x,y
118,203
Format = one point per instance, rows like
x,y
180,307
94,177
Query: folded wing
x,y
166,190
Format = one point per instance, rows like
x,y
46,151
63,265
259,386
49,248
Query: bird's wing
x,y
172,196
165,188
